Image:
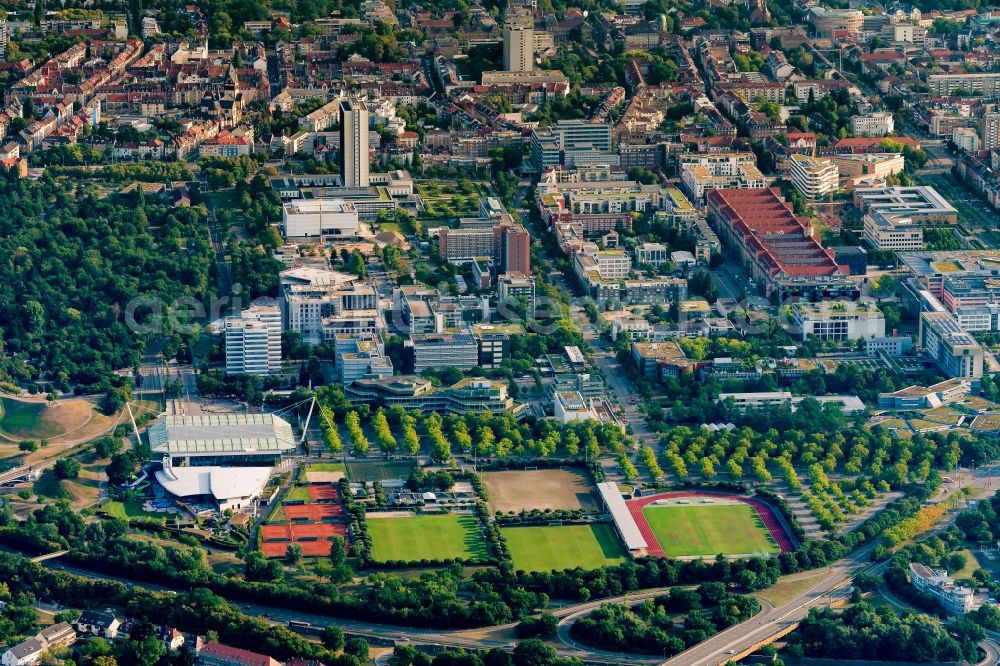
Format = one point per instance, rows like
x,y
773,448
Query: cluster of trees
x,y
17,617
531,652
145,172
481,433
877,633
80,269
652,625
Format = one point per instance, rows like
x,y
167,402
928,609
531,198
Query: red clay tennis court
x,y
323,492
313,512
313,537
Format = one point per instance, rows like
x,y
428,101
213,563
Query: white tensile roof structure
x,y
222,483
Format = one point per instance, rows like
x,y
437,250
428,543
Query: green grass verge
x,y
297,494
427,537
566,547
23,420
730,529
326,467
126,510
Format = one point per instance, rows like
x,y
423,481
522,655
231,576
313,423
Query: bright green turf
x,y
730,529
565,547
427,537
326,467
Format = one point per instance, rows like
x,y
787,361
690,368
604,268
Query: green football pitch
x,y
563,547
730,529
428,537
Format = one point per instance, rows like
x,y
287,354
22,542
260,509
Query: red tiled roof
x,y
235,655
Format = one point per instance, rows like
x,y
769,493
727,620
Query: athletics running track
x,y
771,522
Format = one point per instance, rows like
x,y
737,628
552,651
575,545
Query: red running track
x,y
771,522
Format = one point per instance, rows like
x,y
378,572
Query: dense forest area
x,y
77,269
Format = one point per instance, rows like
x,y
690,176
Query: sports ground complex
x,y
526,504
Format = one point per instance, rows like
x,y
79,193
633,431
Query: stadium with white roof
x,y
225,458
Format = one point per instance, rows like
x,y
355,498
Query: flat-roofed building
x,y
838,320
513,288
922,204
360,357
826,20
253,340
890,232
701,172
986,84
955,599
813,177
433,351
319,218
955,351
876,165
880,123
471,395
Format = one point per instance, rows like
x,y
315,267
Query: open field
x,y
730,529
126,510
565,547
426,537
538,489
325,467
325,472
39,419
379,471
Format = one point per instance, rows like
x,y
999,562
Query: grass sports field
x,y
566,547
428,537
375,470
731,529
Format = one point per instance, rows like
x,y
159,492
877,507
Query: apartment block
x,y
701,172
880,123
813,177
253,341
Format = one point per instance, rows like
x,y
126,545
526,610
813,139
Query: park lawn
x,y
566,547
297,494
326,467
730,529
126,510
427,537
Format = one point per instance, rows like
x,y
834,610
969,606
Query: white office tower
x,y
519,44
253,341
354,143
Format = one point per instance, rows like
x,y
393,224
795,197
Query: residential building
x,y
955,599
652,253
319,218
826,21
253,340
57,635
838,320
434,351
96,623
891,232
701,172
606,265
519,44
215,654
967,139
922,204
515,249
25,653
471,395
876,165
955,352
879,123
516,288
777,246
354,143
989,126
813,177
985,84
573,143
